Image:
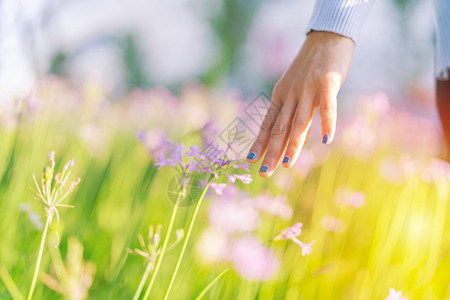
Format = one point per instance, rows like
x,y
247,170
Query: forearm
x,y
344,17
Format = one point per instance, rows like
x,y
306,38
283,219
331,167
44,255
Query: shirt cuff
x,y
344,17
442,39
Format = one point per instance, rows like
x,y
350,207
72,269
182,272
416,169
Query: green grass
x,y
398,238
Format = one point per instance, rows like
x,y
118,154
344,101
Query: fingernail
x,y
325,138
251,155
286,159
264,169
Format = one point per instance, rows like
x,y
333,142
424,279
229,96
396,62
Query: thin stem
x,y
148,269
163,250
186,239
39,258
209,286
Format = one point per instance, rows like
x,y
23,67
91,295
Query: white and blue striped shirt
x,y
345,17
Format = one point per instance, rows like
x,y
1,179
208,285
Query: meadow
x,y
373,206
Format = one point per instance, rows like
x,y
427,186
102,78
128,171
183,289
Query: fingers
x,y
328,117
278,139
301,123
262,140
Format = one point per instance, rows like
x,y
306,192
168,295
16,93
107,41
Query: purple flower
x,y
198,161
252,260
208,132
222,162
193,165
163,161
245,178
195,152
177,153
154,140
243,166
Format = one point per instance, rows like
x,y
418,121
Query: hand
x,y
312,81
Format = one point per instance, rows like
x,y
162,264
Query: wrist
x,y
327,35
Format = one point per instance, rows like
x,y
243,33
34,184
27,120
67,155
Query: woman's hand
x,y
312,81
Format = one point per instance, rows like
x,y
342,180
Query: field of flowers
x,y
145,197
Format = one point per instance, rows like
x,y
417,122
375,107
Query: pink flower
x,y
245,178
292,233
277,206
218,187
395,295
304,163
252,260
393,171
233,215
437,170
332,224
347,197
306,248
213,246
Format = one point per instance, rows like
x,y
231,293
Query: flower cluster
x,y
212,160
234,218
53,188
150,248
72,277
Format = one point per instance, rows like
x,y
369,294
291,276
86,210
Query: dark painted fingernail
x,y
251,155
325,138
286,159
264,169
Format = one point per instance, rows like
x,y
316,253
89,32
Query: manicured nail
x,y
264,169
286,159
251,155
325,138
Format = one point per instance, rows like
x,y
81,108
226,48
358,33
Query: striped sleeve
x,y
344,17
442,67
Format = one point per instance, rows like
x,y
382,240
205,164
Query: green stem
x,y
10,285
209,286
39,258
148,269
163,250
186,239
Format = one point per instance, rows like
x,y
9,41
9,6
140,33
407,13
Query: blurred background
x,y
111,83
222,43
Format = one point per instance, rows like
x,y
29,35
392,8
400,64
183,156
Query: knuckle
x,y
326,122
278,129
277,92
298,123
267,123
327,106
271,155
257,144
